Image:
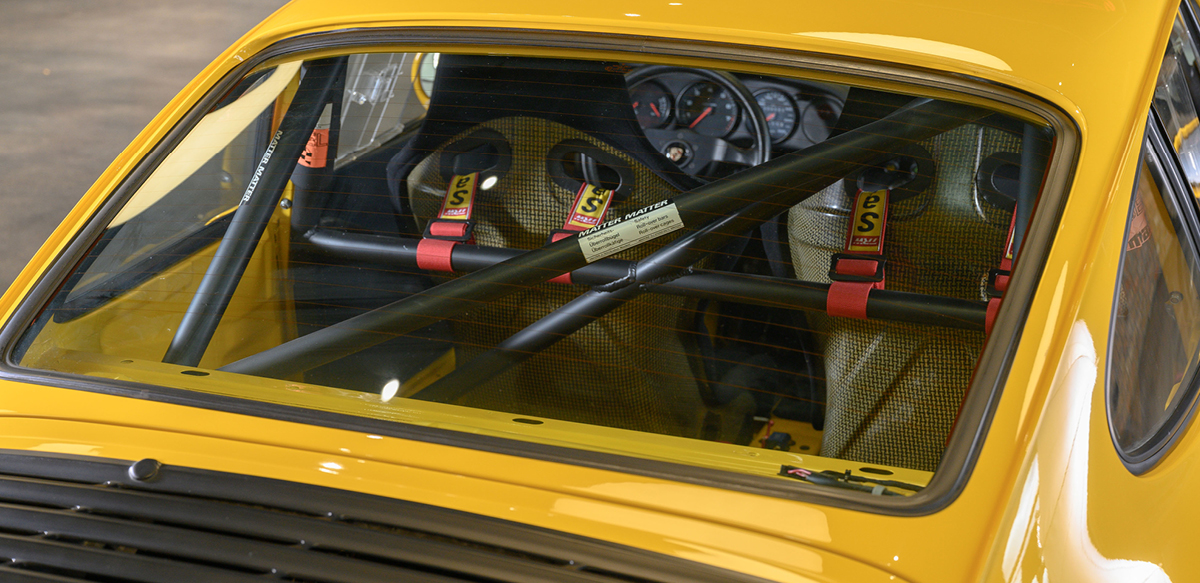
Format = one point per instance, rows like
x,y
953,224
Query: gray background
x,y
78,81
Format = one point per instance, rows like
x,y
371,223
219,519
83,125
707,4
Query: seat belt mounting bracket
x,y
858,268
455,230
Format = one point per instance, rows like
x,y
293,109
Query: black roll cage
x,y
713,214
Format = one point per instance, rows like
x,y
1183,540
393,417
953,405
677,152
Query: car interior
x,y
764,261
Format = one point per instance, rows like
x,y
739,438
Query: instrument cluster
x,y
798,114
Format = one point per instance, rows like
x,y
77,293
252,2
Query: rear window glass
x,y
765,274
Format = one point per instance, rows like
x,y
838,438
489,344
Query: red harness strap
x,y
452,225
860,267
998,278
591,202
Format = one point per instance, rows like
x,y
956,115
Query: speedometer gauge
x,y
780,112
651,105
708,109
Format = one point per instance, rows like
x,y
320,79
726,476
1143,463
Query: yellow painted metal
x,y
486,484
415,78
1075,513
138,324
1047,497
211,136
437,369
367,402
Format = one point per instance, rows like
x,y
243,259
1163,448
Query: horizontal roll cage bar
x,y
757,290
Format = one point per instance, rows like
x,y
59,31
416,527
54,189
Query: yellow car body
x,y
1046,498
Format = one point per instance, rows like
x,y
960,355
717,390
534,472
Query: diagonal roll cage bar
x,y
722,210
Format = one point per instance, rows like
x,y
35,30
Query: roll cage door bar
x,y
321,78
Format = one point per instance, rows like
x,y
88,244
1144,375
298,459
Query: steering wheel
x,y
693,147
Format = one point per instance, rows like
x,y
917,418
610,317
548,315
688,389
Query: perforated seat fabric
x,y
895,389
631,369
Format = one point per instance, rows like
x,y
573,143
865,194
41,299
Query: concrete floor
x,y
80,80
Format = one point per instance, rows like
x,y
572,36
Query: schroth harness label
x,y
630,230
866,228
460,196
590,205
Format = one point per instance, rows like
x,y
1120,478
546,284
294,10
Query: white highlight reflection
x,y
389,390
1052,512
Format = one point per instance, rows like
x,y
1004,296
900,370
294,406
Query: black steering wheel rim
x,y
701,145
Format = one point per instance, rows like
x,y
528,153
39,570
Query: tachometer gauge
x,y
651,105
708,109
780,112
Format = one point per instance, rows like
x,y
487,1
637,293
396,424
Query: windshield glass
x,y
766,274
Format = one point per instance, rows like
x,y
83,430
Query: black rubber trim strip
x,y
991,373
126,567
253,522
263,525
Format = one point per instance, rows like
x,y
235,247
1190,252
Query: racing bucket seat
x,y
530,136
895,389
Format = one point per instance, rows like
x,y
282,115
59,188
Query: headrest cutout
x,y
999,179
484,151
908,173
571,163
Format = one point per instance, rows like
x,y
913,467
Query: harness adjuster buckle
x,y
834,275
437,229
997,291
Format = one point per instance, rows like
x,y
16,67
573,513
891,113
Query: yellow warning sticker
x,y
590,205
867,224
460,195
317,150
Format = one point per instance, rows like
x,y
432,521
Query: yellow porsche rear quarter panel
x,y
591,502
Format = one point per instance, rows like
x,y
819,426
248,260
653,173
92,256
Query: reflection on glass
x,y
1175,97
378,102
1157,325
